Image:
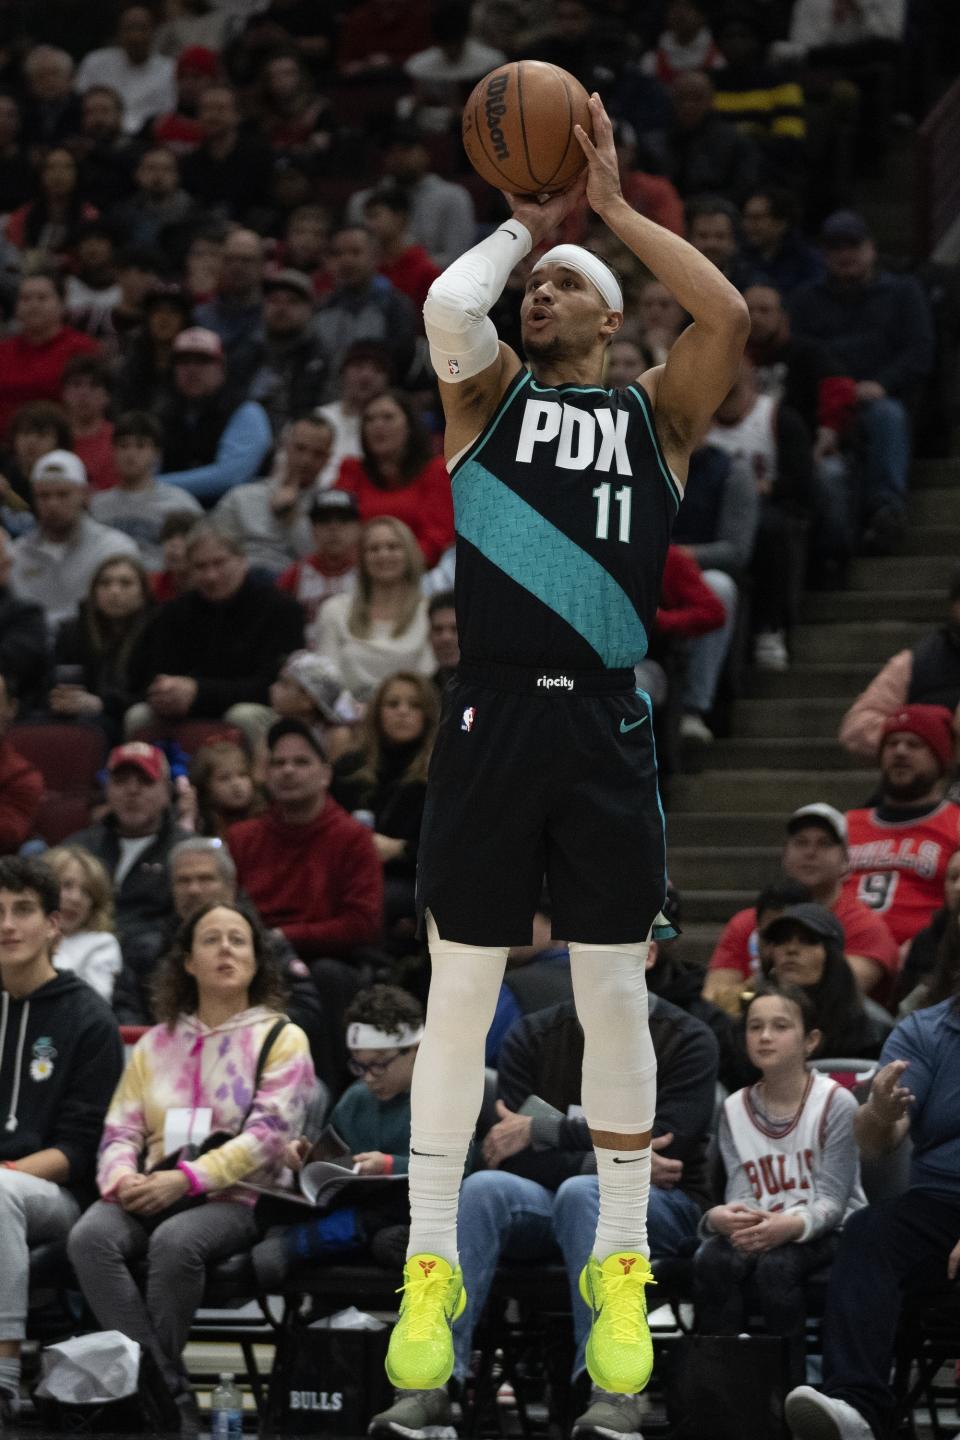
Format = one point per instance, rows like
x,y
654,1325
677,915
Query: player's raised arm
x,y
703,362
473,366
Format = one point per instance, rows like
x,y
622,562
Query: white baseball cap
x,y
821,813
61,465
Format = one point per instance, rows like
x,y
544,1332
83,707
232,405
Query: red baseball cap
x,y
150,761
933,724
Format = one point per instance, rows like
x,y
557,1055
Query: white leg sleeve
x,y
447,1089
619,1067
463,340
619,1087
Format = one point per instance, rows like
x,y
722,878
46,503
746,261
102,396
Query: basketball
x,y
518,128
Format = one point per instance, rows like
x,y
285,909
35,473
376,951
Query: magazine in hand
x,y
328,1175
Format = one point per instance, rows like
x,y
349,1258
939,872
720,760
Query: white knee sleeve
x,y
447,1089
619,1087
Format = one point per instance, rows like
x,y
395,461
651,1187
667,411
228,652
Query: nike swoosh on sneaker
x,y
625,728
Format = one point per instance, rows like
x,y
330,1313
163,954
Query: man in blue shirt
x,y
908,1243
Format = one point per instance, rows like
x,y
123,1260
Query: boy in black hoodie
x,y
60,1060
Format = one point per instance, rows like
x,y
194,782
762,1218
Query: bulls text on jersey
x,y
779,1174
922,857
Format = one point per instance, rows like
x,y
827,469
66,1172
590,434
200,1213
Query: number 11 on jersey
x,y
624,500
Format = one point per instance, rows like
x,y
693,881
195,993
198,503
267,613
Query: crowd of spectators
x,y
227,550
225,221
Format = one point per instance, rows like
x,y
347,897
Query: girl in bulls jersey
x,y
793,1176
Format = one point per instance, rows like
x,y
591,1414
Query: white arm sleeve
x,y
463,340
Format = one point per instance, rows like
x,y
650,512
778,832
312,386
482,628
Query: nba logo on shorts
x,y
469,715
453,366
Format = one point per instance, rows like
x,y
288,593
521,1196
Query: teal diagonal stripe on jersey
x,y
524,545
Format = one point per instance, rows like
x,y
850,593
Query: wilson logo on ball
x,y
495,109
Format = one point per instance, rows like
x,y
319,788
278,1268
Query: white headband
x,y
588,264
368,1037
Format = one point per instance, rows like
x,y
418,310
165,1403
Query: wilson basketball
x,y
518,127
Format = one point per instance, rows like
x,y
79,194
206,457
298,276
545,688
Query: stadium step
x,y
932,540
935,506
704,827
779,754
714,907
934,474
779,719
842,681
922,607
902,572
732,792
859,640
712,867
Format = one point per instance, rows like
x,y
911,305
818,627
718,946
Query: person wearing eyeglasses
x,y
384,1025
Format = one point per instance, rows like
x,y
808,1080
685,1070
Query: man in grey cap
x,y
54,564
878,329
292,368
270,518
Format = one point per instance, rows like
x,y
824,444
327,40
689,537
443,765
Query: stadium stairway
x,y
725,822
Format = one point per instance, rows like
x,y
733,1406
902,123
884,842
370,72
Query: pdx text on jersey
x,y
584,439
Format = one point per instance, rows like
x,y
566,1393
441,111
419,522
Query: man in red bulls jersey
x,y
898,850
565,491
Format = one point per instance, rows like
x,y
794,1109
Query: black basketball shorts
x,y
542,774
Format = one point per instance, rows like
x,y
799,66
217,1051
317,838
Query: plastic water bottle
x,y
226,1409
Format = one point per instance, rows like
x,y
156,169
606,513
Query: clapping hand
x,y
889,1100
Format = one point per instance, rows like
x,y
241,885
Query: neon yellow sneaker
x,y
420,1354
619,1349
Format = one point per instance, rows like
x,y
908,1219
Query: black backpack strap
x,y
279,1024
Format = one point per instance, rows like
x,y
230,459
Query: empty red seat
x,y
68,756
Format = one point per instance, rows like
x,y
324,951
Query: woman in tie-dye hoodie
x,y
218,995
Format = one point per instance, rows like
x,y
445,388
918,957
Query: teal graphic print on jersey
x,y
523,544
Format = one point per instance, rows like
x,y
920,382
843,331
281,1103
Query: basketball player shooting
x,y
565,493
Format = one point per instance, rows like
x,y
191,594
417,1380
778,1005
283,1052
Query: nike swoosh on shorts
x,y
625,728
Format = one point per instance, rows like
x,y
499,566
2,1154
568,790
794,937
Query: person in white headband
x,y
384,1026
565,492
597,271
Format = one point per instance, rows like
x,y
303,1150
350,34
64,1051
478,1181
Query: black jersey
x,y
563,509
